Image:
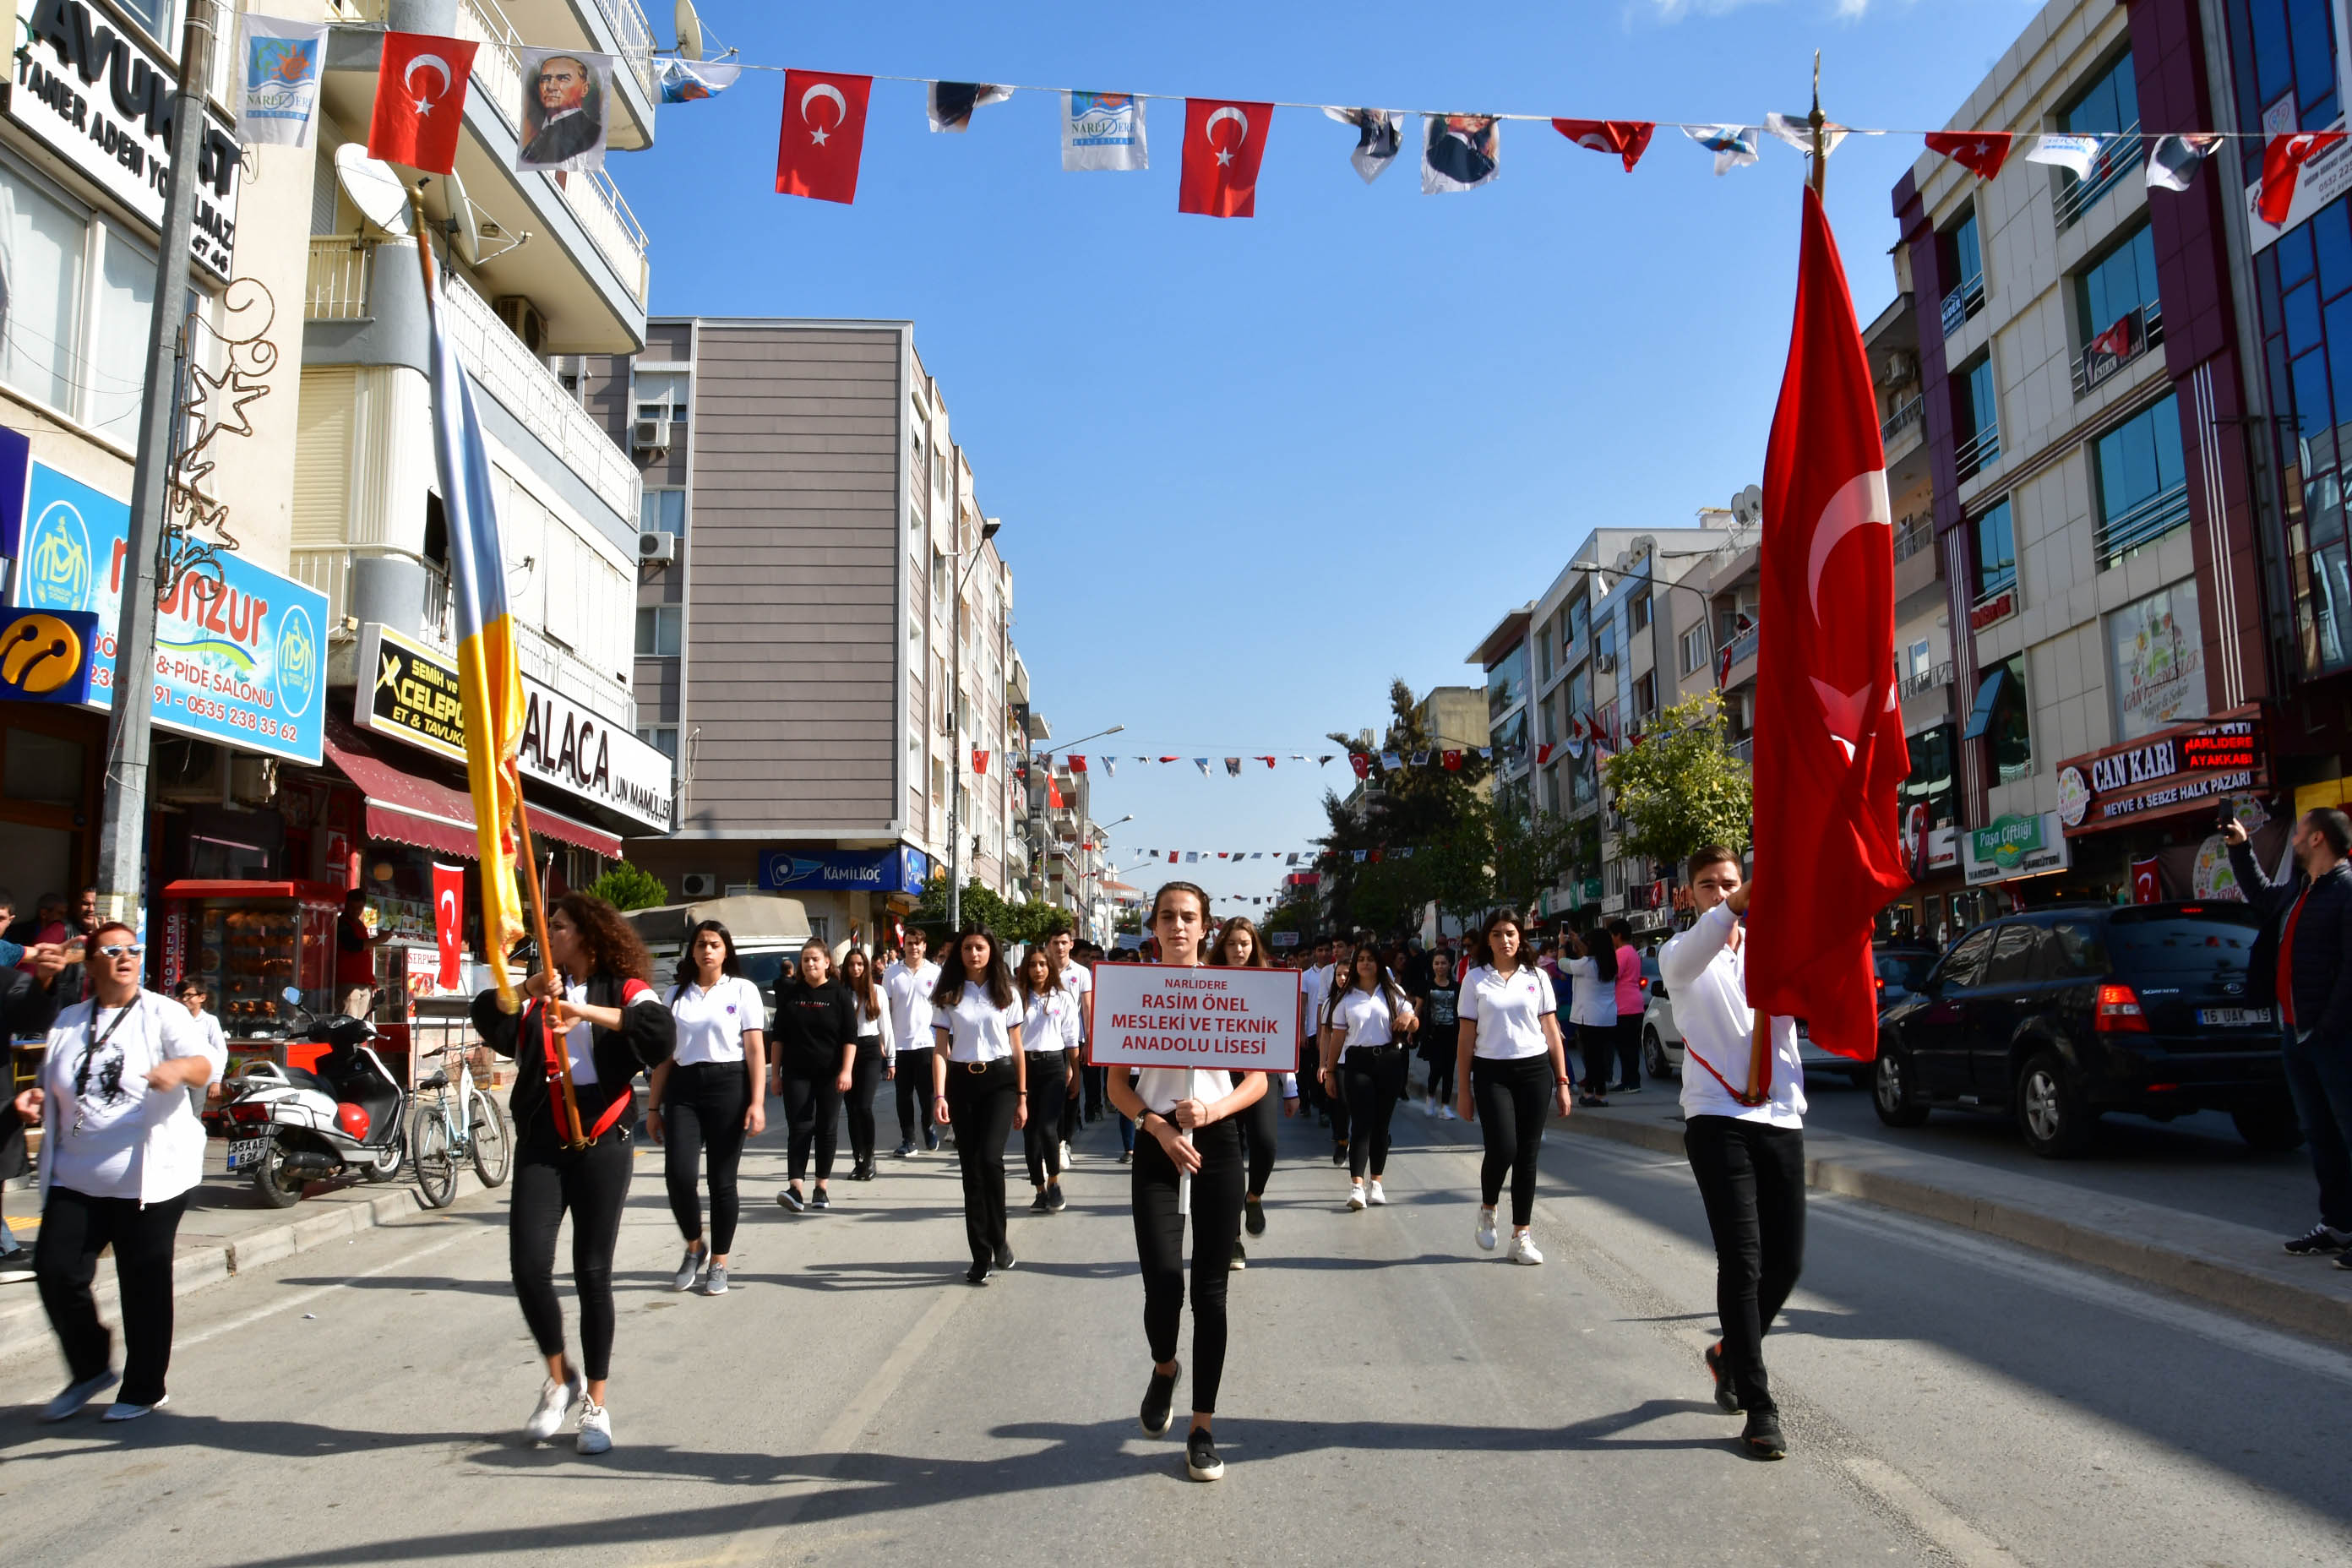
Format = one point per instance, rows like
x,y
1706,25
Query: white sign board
x,y
1153,1016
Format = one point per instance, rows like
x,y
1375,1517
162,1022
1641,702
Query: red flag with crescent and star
x,y
2282,160
1629,138
823,135
1982,152
1829,730
420,100
449,922
1224,144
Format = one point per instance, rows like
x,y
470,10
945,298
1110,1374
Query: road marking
x,y
1923,1511
319,1291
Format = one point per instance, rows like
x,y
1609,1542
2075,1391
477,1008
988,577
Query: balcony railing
x,y
1743,649
2119,154
2141,525
1927,679
1979,452
1917,532
342,272
330,572
1745,752
1906,415
2118,346
637,39
1963,302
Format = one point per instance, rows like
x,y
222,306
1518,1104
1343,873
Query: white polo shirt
x,y
712,1024
978,1030
1508,1010
909,992
1706,975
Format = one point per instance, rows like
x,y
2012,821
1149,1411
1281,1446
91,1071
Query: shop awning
x,y
404,808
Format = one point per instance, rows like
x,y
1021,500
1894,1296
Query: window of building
x,y
1581,788
2143,481
1642,611
1996,550
2001,719
662,738
2286,51
1579,622
1579,698
2305,285
659,627
1507,682
1645,696
1694,649
2108,107
1959,256
1976,417
662,511
1932,783
2111,292
1543,655
661,394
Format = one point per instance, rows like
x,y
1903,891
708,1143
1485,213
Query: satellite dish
x,y
1748,504
689,31
464,224
372,187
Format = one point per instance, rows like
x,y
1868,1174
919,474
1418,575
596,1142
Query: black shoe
x,y
1339,1153
1159,1402
862,1172
1627,1089
1127,1156
1201,1461
931,1145
1600,1100
821,1201
1241,1259
2320,1241
976,1275
1253,1214
1762,1440
1727,1397
1038,1204
2344,1261
1005,1258
792,1201
905,1148
1053,1198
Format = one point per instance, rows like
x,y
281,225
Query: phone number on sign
x,y
199,707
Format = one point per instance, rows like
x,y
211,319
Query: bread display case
x,y
249,940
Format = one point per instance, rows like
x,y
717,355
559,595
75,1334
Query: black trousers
x,y
703,1106
1091,1078
1441,1074
1159,1248
1513,1098
1049,1097
1372,1078
1628,1050
812,1086
865,1077
593,1185
914,1086
1072,1113
1261,1127
1334,1104
77,1227
1752,1180
1600,1043
980,1109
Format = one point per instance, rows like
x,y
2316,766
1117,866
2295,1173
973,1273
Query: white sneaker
x,y
1523,1250
1354,1195
1374,1194
1065,1155
119,1411
596,1430
1487,1228
1445,1113
555,1403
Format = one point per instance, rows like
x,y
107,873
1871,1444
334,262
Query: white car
x,y
1662,1038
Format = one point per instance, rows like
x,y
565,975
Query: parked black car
x,y
2058,1015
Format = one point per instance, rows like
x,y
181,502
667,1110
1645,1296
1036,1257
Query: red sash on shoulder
x,y
557,1062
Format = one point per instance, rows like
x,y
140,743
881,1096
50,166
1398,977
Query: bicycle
x,y
473,1129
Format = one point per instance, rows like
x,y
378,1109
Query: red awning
x,y
404,808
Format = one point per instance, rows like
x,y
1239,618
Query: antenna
x,y
372,187
689,31
465,222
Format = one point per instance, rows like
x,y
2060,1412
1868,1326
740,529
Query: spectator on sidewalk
x,y
2312,911
192,994
355,945
28,1005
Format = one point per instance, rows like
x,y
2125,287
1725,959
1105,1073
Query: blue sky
x,y
1250,470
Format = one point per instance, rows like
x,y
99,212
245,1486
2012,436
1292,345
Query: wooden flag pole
x,y
1820,150
572,1137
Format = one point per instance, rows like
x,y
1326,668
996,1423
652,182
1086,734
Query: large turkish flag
x,y
1224,144
823,135
1829,727
420,100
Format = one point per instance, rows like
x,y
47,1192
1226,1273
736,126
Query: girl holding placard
x,y
1512,1067
978,1086
1187,1117
1238,947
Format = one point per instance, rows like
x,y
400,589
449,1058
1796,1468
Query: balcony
x,y
2140,525
1742,649
329,570
1917,532
1928,679
1977,453
1744,752
343,273
2119,154
1908,415
2118,346
1963,302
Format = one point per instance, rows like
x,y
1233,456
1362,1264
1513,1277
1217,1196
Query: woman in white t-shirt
x,y
1364,1027
980,1086
1591,965
1512,1068
875,1044
708,1098
1049,1042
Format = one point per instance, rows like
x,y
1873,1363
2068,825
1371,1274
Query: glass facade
x,y
2116,284
1507,682
2143,481
1996,550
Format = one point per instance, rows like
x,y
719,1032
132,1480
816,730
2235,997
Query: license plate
x,y
245,1153
2232,1017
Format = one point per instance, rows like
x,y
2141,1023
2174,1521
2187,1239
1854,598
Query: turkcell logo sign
x,y
894,870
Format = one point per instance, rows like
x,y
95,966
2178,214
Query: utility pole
x,y
122,821
988,527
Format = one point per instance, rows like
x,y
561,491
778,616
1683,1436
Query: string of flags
x,y
1287,860
1452,760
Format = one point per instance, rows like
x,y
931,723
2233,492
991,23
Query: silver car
x,y
1662,1038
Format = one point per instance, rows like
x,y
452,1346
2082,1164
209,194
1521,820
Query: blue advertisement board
x,y
240,657
898,869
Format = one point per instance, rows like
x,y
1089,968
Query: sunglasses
x,y
122,950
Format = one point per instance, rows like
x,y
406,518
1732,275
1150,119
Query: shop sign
x,y
410,692
240,652
1590,889
2175,771
2157,652
1614,904
2000,607
1282,939
102,102
2015,847
45,654
898,869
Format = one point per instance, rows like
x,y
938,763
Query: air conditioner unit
x,y
1606,663
523,320
656,549
698,885
188,770
650,436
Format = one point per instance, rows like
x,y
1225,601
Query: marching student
x,y
907,983
1239,947
1748,1159
1440,1007
1188,1117
708,1096
1512,1067
1333,956
980,1086
1590,965
1364,1025
1076,978
815,1062
874,1056
610,1023
1049,1036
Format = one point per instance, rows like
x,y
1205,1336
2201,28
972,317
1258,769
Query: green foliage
x,y
627,886
1418,808
1682,786
1030,921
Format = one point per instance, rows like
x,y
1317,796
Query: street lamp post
x,y
988,528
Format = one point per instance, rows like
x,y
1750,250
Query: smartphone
x,y
2226,813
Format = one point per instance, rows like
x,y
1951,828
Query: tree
x,y
1400,808
1682,786
627,886
1030,921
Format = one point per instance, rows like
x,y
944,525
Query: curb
x,y
2218,1273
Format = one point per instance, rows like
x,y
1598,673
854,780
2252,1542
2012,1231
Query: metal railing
x,y
1963,302
1744,752
2119,154
1916,533
1906,414
1979,452
341,273
2145,331
329,570
2141,525
635,35
1743,649
1927,679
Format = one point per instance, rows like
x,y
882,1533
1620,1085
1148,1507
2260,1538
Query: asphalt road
x,y
1393,1395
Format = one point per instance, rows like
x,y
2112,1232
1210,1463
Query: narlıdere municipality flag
x,y
952,103
1459,152
690,81
1103,131
822,135
279,98
1734,146
2077,153
1380,133
1628,139
1224,144
420,100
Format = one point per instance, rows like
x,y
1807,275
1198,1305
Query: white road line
x,y
304,1298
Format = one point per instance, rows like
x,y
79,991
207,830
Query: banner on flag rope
x,y
566,96
951,104
1380,136
1155,1016
420,100
1628,139
1224,144
1102,130
1734,146
1459,152
690,81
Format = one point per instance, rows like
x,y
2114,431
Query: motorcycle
x,y
289,1126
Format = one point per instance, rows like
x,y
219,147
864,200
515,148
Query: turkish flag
x,y
1077,764
1830,753
2283,158
1982,152
1453,760
1629,138
420,100
449,921
980,762
822,136
1361,763
1224,144
2148,886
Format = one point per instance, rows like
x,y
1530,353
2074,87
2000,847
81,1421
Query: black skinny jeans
x,y
811,1088
1159,1248
1600,1044
1041,1139
1372,1078
980,1109
1628,1050
593,1185
865,1077
913,1084
1752,1180
77,1227
1261,1127
1513,1098
703,1105
1441,1073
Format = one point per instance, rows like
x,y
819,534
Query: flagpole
x,y
1821,152
571,1133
